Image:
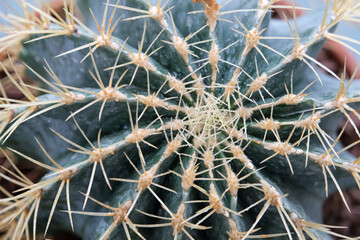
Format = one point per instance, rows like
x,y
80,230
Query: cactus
x,y
174,119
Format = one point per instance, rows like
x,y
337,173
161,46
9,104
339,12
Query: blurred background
x,y
334,211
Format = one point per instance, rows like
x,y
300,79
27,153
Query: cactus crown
x,y
174,119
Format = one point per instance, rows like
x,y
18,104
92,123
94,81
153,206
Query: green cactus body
x,y
176,120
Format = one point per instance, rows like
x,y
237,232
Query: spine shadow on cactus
x,y
176,119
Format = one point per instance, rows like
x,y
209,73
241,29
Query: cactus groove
x,y
175,119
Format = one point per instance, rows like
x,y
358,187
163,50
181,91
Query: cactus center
x,y
207,119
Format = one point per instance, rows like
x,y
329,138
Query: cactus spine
x,y
174,119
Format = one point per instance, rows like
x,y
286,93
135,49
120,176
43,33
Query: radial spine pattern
x,y
174,119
